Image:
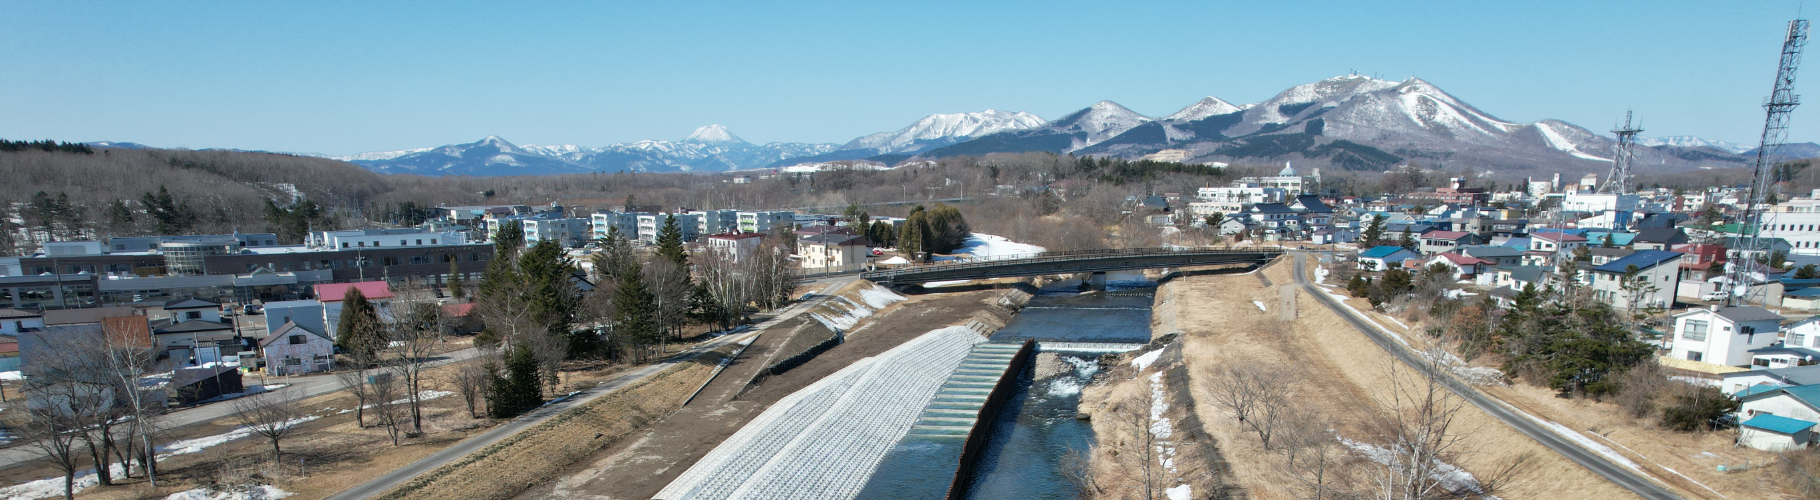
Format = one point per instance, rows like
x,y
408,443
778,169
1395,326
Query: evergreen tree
x,y
1406,241
519,389
120,218
916,232
546,271
1608,242
359,329
457,289
1374,232
670,243
634,309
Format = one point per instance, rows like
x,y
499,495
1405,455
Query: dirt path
x,y
642,465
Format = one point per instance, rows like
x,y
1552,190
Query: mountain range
x,y
1348,122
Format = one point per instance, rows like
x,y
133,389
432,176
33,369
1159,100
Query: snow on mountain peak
x,y
947,127
712,134
1688,141
1103,120
1209,106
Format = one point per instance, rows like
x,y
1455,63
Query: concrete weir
x,y
955,427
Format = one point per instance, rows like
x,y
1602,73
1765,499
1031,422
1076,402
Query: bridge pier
x,y
1097,281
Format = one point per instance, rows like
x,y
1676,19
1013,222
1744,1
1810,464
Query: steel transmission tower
x,y
1618,182
1782,101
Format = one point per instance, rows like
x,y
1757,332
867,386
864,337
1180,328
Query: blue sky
x,y
341,78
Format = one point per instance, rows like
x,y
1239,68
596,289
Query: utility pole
x,y
1780,104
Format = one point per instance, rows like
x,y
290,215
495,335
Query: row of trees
x,y
941,229
537,315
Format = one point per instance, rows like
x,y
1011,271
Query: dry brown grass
x,y
540,453
1341,372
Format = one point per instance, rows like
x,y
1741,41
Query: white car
x,y
1716,295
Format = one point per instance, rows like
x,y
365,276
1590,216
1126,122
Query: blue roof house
x,y
1779,419
1385,257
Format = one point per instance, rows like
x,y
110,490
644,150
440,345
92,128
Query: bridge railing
x,y
1061,256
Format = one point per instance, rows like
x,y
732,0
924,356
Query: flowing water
x,y
1037,430
1036,433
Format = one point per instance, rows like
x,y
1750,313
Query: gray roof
x,y
1743,313
1660,235
1794,375
1488,251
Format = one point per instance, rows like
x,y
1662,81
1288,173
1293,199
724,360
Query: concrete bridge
x,y
1071,262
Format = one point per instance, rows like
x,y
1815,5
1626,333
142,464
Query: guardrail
x,y
1059,256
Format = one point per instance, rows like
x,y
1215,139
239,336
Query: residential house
x,y
736,247
1700,261
1434,242
195,333
1330,235
1499,256
1517,277
1805,299
296,350
1617,238
332,296
1660,238
1235,224
1463,267
1763,379
1783,355
1653,285
1385,257
14,321
1278,220
833,251
1723,335
1602,255
1791,413
303,312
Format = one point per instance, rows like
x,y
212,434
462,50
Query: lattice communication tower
x,y
1780,104
1619,181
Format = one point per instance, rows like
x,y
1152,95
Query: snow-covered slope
x,y
1688,141
1203,108
1099,122
944,129
709,149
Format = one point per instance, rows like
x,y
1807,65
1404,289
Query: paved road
x,y
1623,476
23,453
397,477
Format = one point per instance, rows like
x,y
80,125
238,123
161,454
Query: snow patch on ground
x,y
53,486
1260,305
946,283
988,247
1183,492
1320,275
1355,311
841,313
261,492
1163,429
12,375
1452,477
1146,359
188,446
1584,441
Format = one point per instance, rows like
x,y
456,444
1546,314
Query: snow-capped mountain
x,y
709,149
1203,108
1080,129
944,129
1688,141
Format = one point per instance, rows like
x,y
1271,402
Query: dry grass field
x,y
1332,367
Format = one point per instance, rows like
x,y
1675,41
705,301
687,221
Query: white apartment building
x,y
650,224
716,221
1241,193
567,232
1798,221
765,221
384,238
1592,202
625,222
1287,180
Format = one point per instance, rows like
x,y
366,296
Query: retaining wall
x,y
984,426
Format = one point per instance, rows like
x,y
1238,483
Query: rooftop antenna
x,y
1618,182
1780,104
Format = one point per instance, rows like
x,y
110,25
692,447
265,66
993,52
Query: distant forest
x,y
71,191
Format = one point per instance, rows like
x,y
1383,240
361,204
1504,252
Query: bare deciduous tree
x,y
1257,394
272,415
416,329
354,380
389,405
470,380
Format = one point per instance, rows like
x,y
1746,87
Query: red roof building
x,y
335,292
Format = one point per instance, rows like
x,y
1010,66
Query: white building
x,y
765,221
1778,419
1287,180
1241,193
736,246
1654,284
717,221
1797,221
1723,336
1595,203
625,223
650,225
566,232
384,238
833,251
